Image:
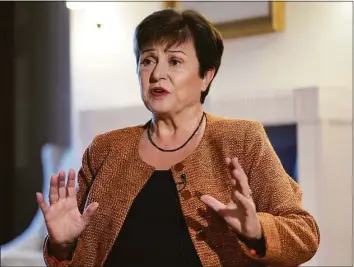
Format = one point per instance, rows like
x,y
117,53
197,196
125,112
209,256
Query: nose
x,y
159,72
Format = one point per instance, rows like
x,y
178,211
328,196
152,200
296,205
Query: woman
x,y
185,189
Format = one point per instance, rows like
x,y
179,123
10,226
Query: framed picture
x,y
238,19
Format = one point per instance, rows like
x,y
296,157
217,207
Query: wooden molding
x,y
274,22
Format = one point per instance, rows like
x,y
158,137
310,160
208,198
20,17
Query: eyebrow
x,y
171,51
148,50
176,51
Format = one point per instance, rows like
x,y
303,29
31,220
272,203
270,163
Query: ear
x,y
208,77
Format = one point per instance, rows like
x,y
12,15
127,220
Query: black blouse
x,y
154,232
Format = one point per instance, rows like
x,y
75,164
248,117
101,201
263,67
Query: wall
x,y
325,169
335,187
315,49
103,63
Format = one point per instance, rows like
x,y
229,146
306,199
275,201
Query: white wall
x,y
314,50
103,63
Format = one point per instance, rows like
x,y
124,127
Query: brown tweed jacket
x,y
291,234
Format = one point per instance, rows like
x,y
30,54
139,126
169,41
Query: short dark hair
x,y
171,27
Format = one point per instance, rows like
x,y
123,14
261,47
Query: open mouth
x,y
158,91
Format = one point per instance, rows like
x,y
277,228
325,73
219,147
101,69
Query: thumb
x,y
89,212
213,203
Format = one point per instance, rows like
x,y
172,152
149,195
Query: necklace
x,y
178,148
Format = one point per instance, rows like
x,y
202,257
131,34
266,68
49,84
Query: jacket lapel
x,y
121,178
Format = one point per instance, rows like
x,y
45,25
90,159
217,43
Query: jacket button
x,y
194,225
179,167
186,194
200,235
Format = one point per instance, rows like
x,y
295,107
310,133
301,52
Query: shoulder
x,y
245,128
116,140
116,137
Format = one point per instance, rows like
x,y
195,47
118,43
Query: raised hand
x,y
240,213
63,219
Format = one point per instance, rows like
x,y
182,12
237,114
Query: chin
x,y
159,109
160,112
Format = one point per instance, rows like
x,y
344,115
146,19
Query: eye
x,y
147,62
175,62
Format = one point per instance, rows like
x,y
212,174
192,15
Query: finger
x,y
53,191
246,202
70,185
229,164
89,212
61,184
233,196
41,203
231,167
236,165
213,203
242,180
228,161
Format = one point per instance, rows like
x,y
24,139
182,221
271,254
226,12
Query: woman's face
x,y
169,78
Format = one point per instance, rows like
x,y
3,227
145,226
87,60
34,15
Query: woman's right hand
x,y
63,219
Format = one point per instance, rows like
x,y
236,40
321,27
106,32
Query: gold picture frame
x,y
273,22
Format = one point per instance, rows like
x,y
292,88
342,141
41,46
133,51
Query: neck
x,y
180,123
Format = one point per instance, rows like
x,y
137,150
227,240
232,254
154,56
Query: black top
x,y
154,232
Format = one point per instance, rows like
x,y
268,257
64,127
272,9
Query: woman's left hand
x,y
240,213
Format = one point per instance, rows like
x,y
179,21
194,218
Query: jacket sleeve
x,y
85,178
291,234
